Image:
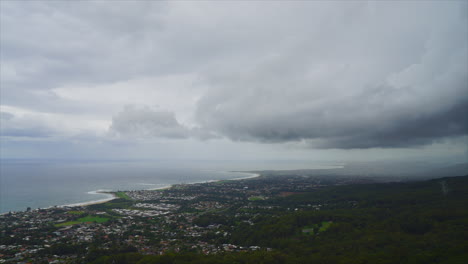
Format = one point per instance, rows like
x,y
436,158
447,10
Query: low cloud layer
x,y
27,127
145,122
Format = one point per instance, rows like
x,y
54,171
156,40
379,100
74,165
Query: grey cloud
x,y
144,122
6,116
341,75
357,123
66,43
407,131
375,86
22,127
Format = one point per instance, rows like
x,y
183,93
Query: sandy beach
x,y
112,196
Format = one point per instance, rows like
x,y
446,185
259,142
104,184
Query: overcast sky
x,y
234,80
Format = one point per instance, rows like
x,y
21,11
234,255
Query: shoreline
x,y
112,193
100,201
252,175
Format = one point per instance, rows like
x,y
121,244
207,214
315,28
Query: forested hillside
x,y
412,222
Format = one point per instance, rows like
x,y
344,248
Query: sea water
x,y
42,184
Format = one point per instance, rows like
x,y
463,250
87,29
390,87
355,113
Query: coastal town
x,y
184,218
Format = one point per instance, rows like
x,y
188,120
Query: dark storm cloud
x,y
353,123
361,85
409,131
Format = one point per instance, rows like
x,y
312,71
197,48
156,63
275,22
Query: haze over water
x,y
40,184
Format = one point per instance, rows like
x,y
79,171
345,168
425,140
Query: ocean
x,y
42,184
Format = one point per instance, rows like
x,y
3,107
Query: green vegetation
x,y
123,195
210,219
308,230
120,203
324,226
83,220
317,228
191,258
75,212
301,221
414,222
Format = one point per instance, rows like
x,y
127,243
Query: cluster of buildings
x,y
140,213
158,206
143,195
190,217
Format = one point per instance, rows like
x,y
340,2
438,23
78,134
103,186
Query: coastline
x,y
100,201
81,204
160,188
111,194
251,175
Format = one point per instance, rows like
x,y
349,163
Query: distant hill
x,y
382,171
454,170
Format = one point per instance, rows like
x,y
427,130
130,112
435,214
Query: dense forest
x,y
408,222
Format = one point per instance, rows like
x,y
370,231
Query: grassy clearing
x,y
76,212
123,195
119,203
83,220
317,228
325,226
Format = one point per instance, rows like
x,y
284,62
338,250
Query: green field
x,y
121,203
310,230
75,212
325,225
123,195
86,219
